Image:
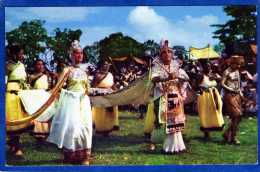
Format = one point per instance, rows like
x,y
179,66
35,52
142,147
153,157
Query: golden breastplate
x,y
41,83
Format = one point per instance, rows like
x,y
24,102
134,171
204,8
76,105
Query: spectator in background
x,y
250,94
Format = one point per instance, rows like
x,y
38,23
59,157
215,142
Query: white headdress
x,y
75,45
164,43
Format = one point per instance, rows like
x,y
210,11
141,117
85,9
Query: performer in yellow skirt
x,y
39,80
209,105
16,82
105,119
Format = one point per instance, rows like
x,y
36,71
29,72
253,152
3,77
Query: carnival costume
x,y
173,111
169,107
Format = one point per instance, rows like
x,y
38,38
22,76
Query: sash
x,y
54,93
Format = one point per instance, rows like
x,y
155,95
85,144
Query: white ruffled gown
x,y
72,123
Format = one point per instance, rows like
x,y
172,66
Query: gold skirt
x,y
149,119
13,106
210,110
104,119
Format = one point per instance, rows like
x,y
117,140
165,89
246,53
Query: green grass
x,y
126,147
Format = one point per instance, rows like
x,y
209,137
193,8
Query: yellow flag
x,y
203,53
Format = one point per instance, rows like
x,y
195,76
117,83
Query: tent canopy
x,y
203,53
121,59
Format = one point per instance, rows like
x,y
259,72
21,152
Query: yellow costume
x,y
16,82
210,106
41,83
149,119
105,119
41,129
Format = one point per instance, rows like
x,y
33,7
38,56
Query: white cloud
x,y
51,14
8,26
143,23
189,31
144,16
203,20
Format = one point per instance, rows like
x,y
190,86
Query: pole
x,y
113,64
208,51
189,53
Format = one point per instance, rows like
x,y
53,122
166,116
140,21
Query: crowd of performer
x,y
215,84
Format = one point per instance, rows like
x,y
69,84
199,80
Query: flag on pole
x,y
203,53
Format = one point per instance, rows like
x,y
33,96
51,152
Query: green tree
x,y
152,46
91,53
118,45
180,51
239,29
60,44
219,48
32,36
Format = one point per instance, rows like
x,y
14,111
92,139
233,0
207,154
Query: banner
x,y
138,92
203,53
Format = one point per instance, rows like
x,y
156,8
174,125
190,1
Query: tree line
x,y
235,35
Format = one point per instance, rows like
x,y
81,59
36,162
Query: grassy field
x,y
126,147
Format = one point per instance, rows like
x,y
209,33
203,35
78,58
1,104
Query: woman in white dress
x,y
71,128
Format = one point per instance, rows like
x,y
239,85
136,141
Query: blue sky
x,y
181,25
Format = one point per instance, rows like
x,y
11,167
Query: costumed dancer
x,y
71,127
16,82
151,121
232,98
173,111
105,118
209,104
167,75
39,80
